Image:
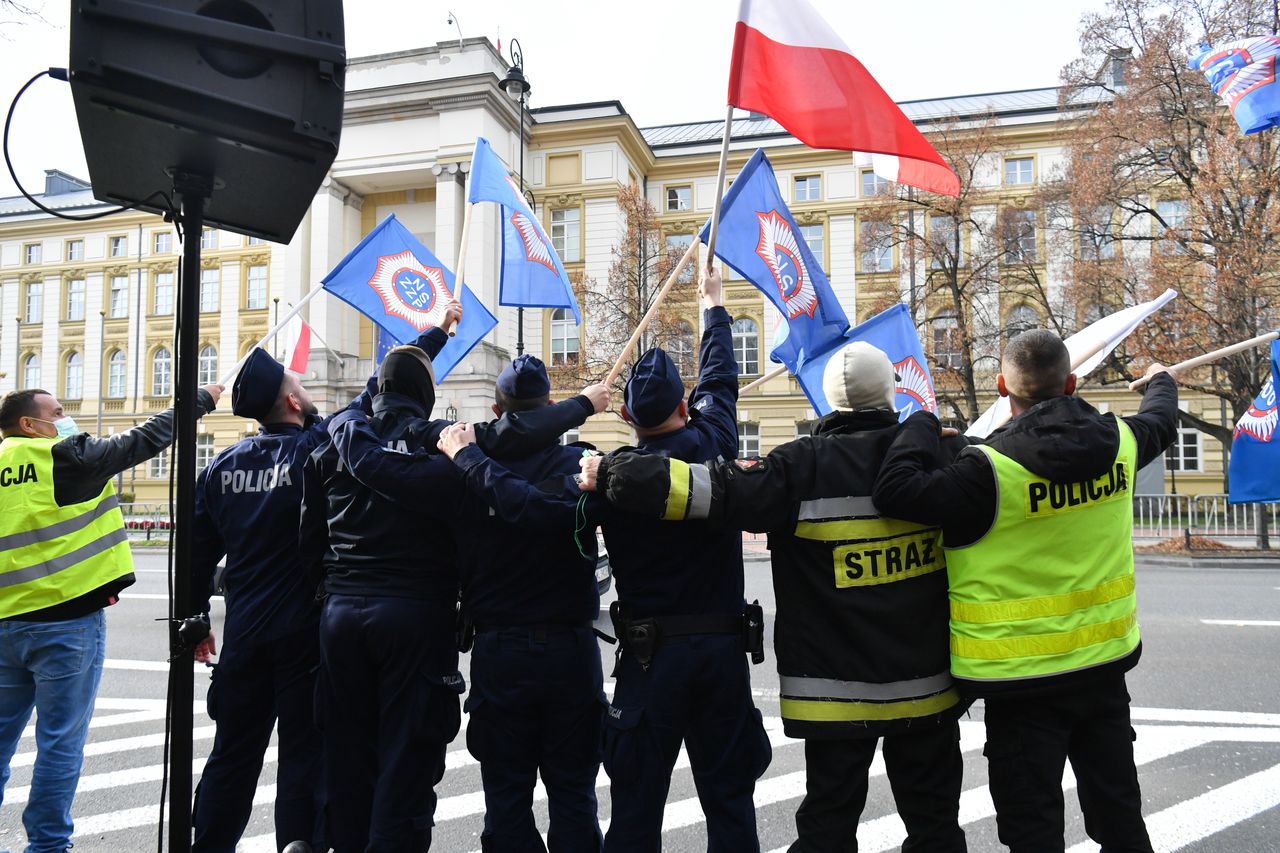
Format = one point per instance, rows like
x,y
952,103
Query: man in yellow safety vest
x,y
1037,528
64,556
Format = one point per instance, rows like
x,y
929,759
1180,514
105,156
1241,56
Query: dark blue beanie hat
x,y
525,378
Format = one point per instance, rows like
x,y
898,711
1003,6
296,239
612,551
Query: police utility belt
x,y
643,637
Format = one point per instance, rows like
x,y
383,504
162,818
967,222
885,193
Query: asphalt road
x,y
1206,700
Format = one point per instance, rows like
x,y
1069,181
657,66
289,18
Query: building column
x,y
329,241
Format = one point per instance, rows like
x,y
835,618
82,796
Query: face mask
x,y
65,425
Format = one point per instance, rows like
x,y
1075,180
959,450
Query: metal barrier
x,y
145,522
1211,516
1161,516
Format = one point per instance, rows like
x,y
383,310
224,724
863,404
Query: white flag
x,y
1109,332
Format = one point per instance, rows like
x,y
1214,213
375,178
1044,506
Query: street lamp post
x,y
517,89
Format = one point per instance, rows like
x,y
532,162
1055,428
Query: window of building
x,y
35,303
255,241
804,428
161,373
31,371
1019,170
1097,241
873,184
808,187
948,349
75,300
118,247
162,294
679,198
204,450
564,337
746,345
32,253
748,440
207,365
677,245
814,236
255,293
210,285
1185,452
75,250
680,348
1021,318
941,243
571,436
162,242
158,467
118,297
209,238
115,375
877,247
73,387
1174,213
1019,236
566,233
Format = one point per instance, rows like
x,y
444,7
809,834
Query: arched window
x,y
115,375
31,371
746,345
1021,318
161,373
208,366
681,350
73,388
564,337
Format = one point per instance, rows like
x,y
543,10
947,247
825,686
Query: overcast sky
x,y
665,60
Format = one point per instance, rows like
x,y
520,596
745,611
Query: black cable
x,y
61,74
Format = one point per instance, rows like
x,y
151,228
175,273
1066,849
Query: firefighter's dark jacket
x,y
1063,440
888,632
398,540
82,466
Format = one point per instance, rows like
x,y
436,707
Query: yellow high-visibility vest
x,y
49,553
1050,588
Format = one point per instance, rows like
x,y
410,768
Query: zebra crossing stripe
x,y
124,744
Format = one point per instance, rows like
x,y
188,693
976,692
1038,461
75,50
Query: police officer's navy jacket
x,y
248,502
398,540
663,569
861,631
82,466
517,568
1063,440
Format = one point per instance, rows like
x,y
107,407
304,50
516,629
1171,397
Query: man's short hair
x,y
16,405
1036,365
507,403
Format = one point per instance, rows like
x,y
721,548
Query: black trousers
x,y
924,769
1028,742
388,708
254,686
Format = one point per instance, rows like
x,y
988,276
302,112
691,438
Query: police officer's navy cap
x,y
654,390
525,378
257,386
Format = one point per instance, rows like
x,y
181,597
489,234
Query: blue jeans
x,y
53,667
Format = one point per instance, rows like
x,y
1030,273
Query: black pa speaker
x,y
246,93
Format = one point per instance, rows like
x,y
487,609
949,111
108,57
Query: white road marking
x,y
1181,715
124,744
1244,623
147,665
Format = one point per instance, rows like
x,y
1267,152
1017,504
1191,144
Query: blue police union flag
x,y
395,281
532,274
759,238
1243,74
1255,451
892,332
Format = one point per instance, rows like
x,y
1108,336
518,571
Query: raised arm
x,y
910,487
713,405
399,475
553,503
1156,424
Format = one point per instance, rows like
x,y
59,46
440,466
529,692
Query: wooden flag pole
x,y
652,312
275,330
715,211
452,328
1210,356
772,374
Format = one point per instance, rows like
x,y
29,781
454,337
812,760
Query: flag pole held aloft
x,y
275,330
1208,357
452,328
724,163
651,313
772,374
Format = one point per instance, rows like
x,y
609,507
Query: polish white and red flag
x,y
789,64
298,336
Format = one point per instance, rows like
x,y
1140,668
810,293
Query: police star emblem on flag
x,y
914,383
1260,423
780,251
410,290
